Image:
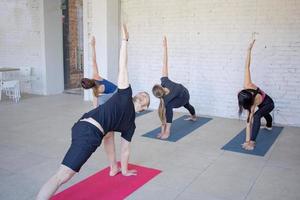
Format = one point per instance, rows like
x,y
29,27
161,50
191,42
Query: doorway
x,y
72,11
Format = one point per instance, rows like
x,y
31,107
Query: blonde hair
x,y
158,91
140,95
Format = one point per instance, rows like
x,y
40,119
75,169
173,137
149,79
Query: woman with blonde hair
x,y
171,95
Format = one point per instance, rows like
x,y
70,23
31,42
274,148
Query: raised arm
x,y
123,82
94,60
247,81
165,58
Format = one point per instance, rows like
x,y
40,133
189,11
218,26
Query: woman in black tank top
x,y
249,99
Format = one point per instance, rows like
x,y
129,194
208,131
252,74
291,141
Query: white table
x,y
7,70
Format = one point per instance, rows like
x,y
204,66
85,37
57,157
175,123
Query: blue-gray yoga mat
x,y
264,141
179,128
142,113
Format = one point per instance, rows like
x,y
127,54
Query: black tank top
x,y
255,92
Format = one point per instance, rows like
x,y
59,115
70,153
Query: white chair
x,y
26,78
25,73
12,89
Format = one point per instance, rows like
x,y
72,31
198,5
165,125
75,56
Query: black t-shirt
x,y
175,89
117,114
177,97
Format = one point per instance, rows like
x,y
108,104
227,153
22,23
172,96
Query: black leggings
x,y
190,108
181,100
264,110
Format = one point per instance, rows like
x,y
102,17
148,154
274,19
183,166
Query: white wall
x,y
53,47
113,29
101,19
20,37
31,36
207,49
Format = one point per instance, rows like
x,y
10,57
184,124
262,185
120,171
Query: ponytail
x,y
162,111
87,83
158,91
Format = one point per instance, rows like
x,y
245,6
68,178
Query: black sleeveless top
x,y
257,91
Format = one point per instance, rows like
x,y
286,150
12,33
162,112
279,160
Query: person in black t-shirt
x,y
117,114
171,95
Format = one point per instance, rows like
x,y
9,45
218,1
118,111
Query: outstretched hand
x,y
251,45
165,43
93,41
248,146
125,35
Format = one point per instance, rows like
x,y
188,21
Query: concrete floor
x,y
35,134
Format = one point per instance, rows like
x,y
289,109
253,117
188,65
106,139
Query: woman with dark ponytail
x,y
250,98
171,95
98,84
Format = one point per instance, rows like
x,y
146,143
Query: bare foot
x,y
266,127
191,118
166,135
114,171
159,135
132,172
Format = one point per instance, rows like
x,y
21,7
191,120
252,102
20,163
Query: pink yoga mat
x,y
101,186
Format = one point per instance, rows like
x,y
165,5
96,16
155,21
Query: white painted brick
x,y
207,49
20,37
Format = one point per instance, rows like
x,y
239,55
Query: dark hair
x,y
87,83
246,100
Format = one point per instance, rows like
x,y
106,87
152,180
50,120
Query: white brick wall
x,y
101,19
207,48
20,37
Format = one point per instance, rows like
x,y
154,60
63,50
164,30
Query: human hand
x,y
165,43
125,34
251,45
